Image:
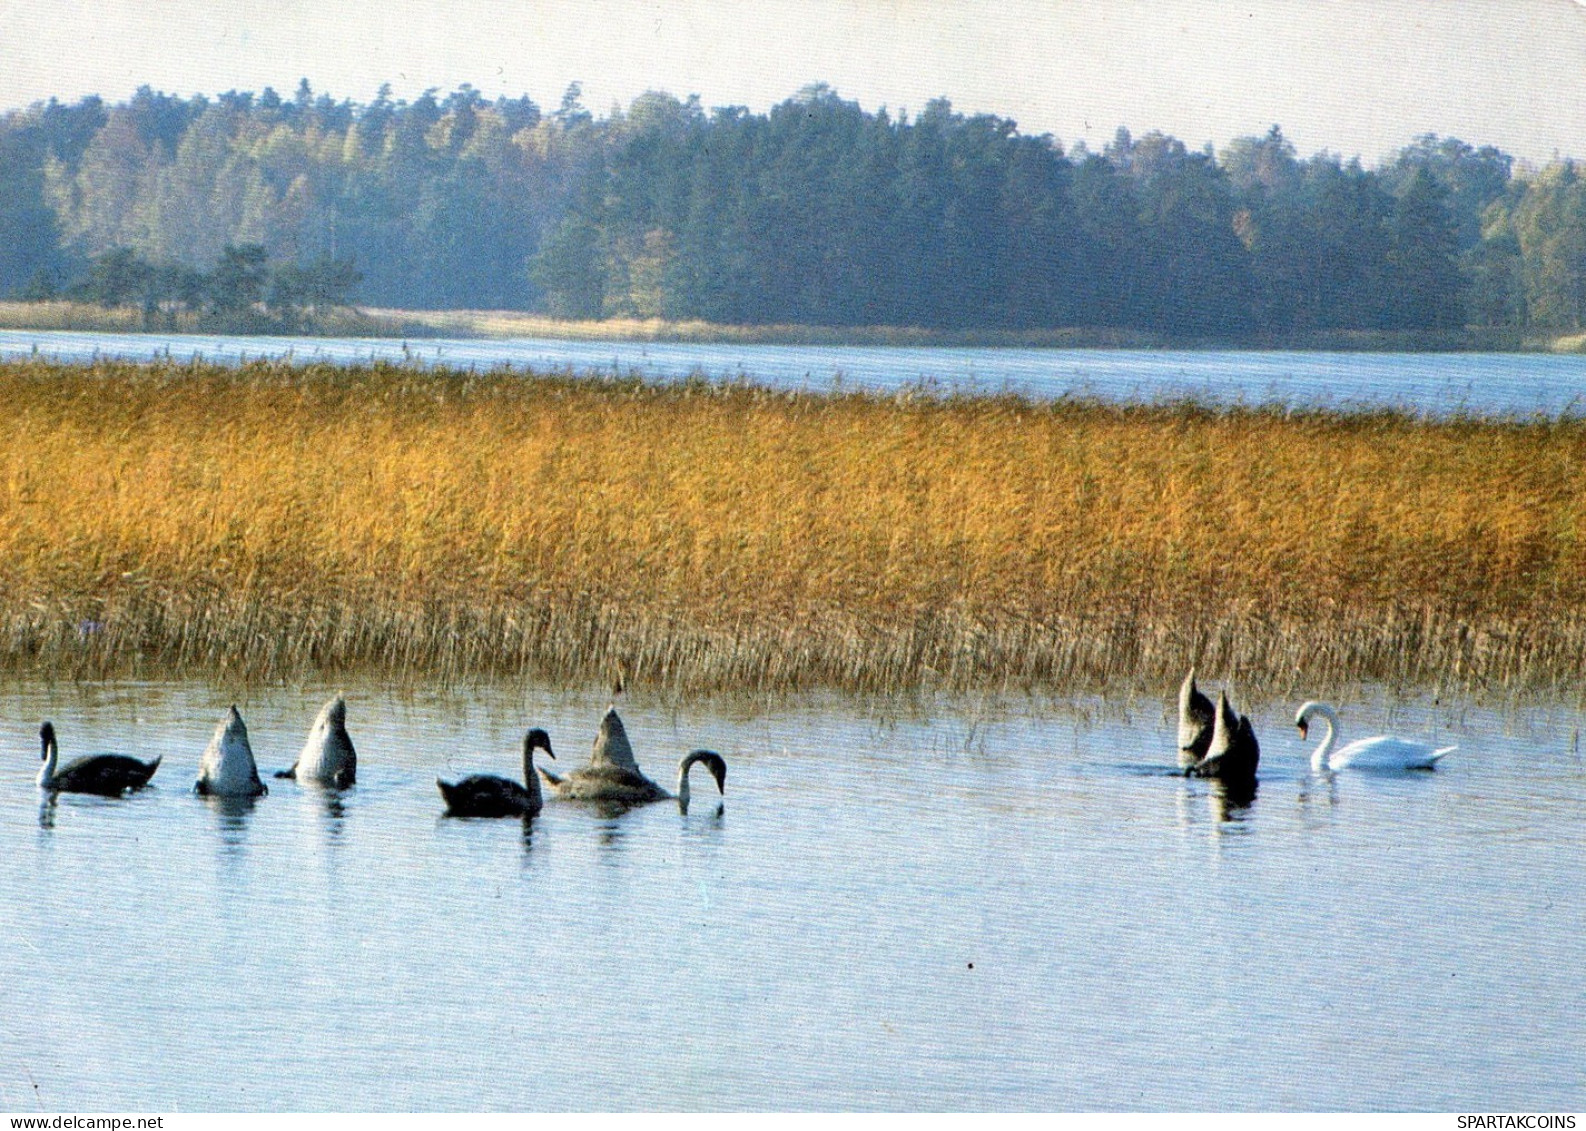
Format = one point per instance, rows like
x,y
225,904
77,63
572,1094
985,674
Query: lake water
x,y
969,905
1436,384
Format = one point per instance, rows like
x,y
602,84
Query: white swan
x,y
328,756
1194,723
612,777
1380,752
227,767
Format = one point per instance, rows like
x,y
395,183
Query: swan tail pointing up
x,y
1195,722
1234,753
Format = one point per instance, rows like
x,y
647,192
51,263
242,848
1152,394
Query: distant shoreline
x,y
375,322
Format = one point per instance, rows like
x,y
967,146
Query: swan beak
x,y
1302,728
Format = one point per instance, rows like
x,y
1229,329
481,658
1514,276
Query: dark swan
x,y
108,775
227,768
328,756
1234,753
1194,723
485,795
613,778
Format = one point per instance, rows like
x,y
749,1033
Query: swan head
x,y
714,762
336,713
538,739
1302,717
717,765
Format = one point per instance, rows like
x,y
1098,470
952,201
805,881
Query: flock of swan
x,y
227,769
1216,742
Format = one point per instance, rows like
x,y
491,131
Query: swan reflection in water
x,y
50,801
1233,800
1318,793
327,808
232,811
1231,804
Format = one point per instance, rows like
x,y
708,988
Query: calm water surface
x,y
974,906
1435,384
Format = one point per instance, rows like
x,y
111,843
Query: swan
x,y
1194,723
612,776
328,756
1233,753
485,795
1380,752
109,775
227,768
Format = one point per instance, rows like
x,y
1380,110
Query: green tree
x,y
237,284
1423,259
1549,225
1194,277
117,278
568,270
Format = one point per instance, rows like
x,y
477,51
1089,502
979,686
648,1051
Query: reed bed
x,y
522,324
271,522
92,318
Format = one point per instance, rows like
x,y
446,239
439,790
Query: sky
x,y
1354,77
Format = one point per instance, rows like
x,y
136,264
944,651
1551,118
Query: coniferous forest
x,y
817,212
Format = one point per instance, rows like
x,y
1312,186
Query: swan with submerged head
x,y
1233,753
613,777
1380,752
108,775
486,795
227,768
328,756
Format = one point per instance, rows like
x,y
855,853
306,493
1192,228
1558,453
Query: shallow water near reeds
x,y
958,905
1434,384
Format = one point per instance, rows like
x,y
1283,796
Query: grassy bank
x,y
88,318
267,522
384,323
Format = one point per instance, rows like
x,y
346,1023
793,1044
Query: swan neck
x,y
1325,747
51,757
682,783
531,780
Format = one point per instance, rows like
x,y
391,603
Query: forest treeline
x,y
817,212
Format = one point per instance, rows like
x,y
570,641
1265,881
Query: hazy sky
x,y
1359,77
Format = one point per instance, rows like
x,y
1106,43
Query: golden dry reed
x,y
272,522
